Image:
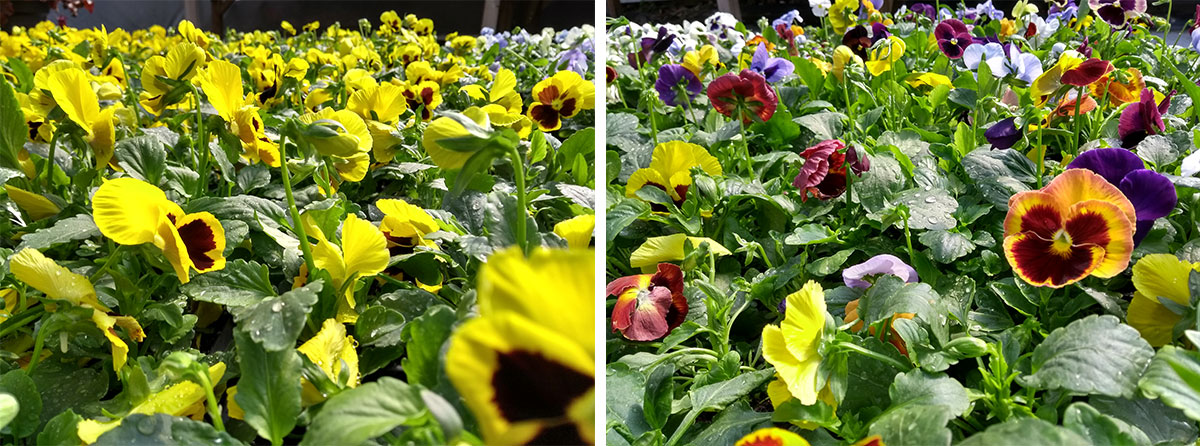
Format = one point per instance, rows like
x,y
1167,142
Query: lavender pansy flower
x,y
774,69
857,276
1152,194
788,18
1195,44
677,85
1003,134
574,60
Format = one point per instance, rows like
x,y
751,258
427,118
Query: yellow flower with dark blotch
x,y
256,145
362,253
222,84
927,81
577,231
670,248
132,212
793,346
330,349
446,128
772,436
37,206
182,62
526,366
462,44
405,226
72,91
58,283
115,70
880,59
381,102
1157,277
425,96
671,170
560,97
502,92
182,399
842,57
696,60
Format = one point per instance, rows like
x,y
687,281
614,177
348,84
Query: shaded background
x,y
465,16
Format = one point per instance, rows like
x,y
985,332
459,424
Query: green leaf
x,y
88,385
79,227
919,388
929,208
364,412
161,428
659,394
890,295
380,326
269,388
810,234
241,283
61,430
424,337
276,322
22,388
582,142
914,425
945,246
1161,423
624,389
716,396
1174,378
1100,429
1157,150
612,163
621,215
13,132
1025,431
1093,355
733,423
502,214
829,264
143,157
824,125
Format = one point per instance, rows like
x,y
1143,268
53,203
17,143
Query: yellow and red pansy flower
x,y
1077,226
772,436
559,97
648,305
132,212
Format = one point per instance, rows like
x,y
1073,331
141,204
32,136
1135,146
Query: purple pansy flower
x,y
652,46
924,9
1064,11
774,69
952,37
1003,134
984,9
1142,119
1117,12
574,60
788,18
676,84
1152,194
856,276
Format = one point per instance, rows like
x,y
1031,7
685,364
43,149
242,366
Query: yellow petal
x,y
577,231
397,211
37,206
176,400
55,281
222,83
120,350
73,92
804,320
127,210
330,348
364,247
552,287
669,248
446,128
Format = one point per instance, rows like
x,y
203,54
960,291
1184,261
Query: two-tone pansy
x,y
1079,225
670,169
823,174
952,37
772,436
559,97
526,366
648,305
676,85
1152,194
1143,118
744,96
132,212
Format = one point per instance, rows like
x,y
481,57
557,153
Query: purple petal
x,y
1143,229
759,61
777,69
1113,14
1152,194
880,264
1112,164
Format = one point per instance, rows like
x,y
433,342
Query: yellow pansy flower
x,y
559,97
447,128
132,212
880,59
363,253
696,60
182,399
669,248
380,102
349,147
405,226
792,347
329,349
772,436
181,63
577,231
525,367
222,83
670,169
72,90
1159,276
37,206
843,56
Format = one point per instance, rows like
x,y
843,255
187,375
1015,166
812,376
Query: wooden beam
x,y
491,13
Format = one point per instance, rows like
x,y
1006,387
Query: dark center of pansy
x,y
531,386
199,239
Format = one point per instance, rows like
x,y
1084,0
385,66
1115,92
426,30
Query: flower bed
x,y
314,235
929,227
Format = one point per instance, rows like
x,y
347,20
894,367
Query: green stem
x,y
214,410
16,322
1041,154
874,355
522,200
297,225
49,175
1075,120
745,146
683,426
111,256
201,146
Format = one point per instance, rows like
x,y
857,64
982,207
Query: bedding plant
x,y
948,224
316,235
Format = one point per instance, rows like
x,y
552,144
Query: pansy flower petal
x,y
772,436
204,238
1077,185
37,206
1111,163
1036,212
669,248
1100,223
1032,260
1086,73
56,282
127,210
1152,194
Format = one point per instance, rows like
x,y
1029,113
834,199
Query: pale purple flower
x,y
855,276
774,69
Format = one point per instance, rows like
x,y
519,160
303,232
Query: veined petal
x,y
72,91
446,128
325,254
53,280
331,349
174,249
643,177
1152,194
402,211
120,350
1163,275
127,210
1100,223
364,247
222,83
1152,320
521,379
1033,211
1078,185
1039,262
37,206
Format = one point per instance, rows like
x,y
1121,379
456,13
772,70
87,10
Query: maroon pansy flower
x,y
1086,73
1142,119
649,305
823,174
952,37
743,96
